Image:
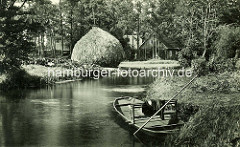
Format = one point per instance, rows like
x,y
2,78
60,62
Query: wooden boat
x,y
130,109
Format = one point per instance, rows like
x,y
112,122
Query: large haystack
x,y
98,47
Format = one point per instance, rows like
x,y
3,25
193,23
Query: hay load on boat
x,y
98,47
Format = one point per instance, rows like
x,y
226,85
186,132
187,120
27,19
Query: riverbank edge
x,y
36,76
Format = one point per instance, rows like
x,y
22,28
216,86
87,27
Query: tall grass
x,y
215,124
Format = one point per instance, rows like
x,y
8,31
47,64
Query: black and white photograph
x,y
119,73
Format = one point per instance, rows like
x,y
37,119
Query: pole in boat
x,y
133,113
165,105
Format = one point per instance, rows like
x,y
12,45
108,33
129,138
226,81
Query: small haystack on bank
x,y
98,47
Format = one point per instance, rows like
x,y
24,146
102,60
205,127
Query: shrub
x,y
185,56
199,66
184,62
228,42
19,78
221,65
238,64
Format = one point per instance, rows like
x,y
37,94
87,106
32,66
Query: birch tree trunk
x,y
42,54
61,21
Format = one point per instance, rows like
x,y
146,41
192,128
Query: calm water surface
x,y
72,114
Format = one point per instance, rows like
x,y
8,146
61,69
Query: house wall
x,y
172,54
153,48
156,49
133,41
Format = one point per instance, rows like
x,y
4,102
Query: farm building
x,y
155,46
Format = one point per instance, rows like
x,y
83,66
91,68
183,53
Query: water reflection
x,y
78,113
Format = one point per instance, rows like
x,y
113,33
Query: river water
x,y
72,114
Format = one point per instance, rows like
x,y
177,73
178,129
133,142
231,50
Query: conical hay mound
x,y
98,47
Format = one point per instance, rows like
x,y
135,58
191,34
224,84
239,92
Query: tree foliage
x,y
228,43
15,41
192,25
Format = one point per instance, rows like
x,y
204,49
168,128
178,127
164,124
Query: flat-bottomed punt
x,y
130,109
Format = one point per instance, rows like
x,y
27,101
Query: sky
x,y
55,1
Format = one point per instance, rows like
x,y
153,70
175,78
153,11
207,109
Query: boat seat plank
x,y
146,118
169,112
127,104
153,123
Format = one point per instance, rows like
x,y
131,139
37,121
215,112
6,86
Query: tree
x,y
46,15
230,12
228,42
15,43
69,12
115,17
120,21
199,21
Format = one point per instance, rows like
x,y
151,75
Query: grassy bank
x,y
214,124
210,107
201,91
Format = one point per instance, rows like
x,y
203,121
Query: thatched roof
x,y
170,43
98,47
